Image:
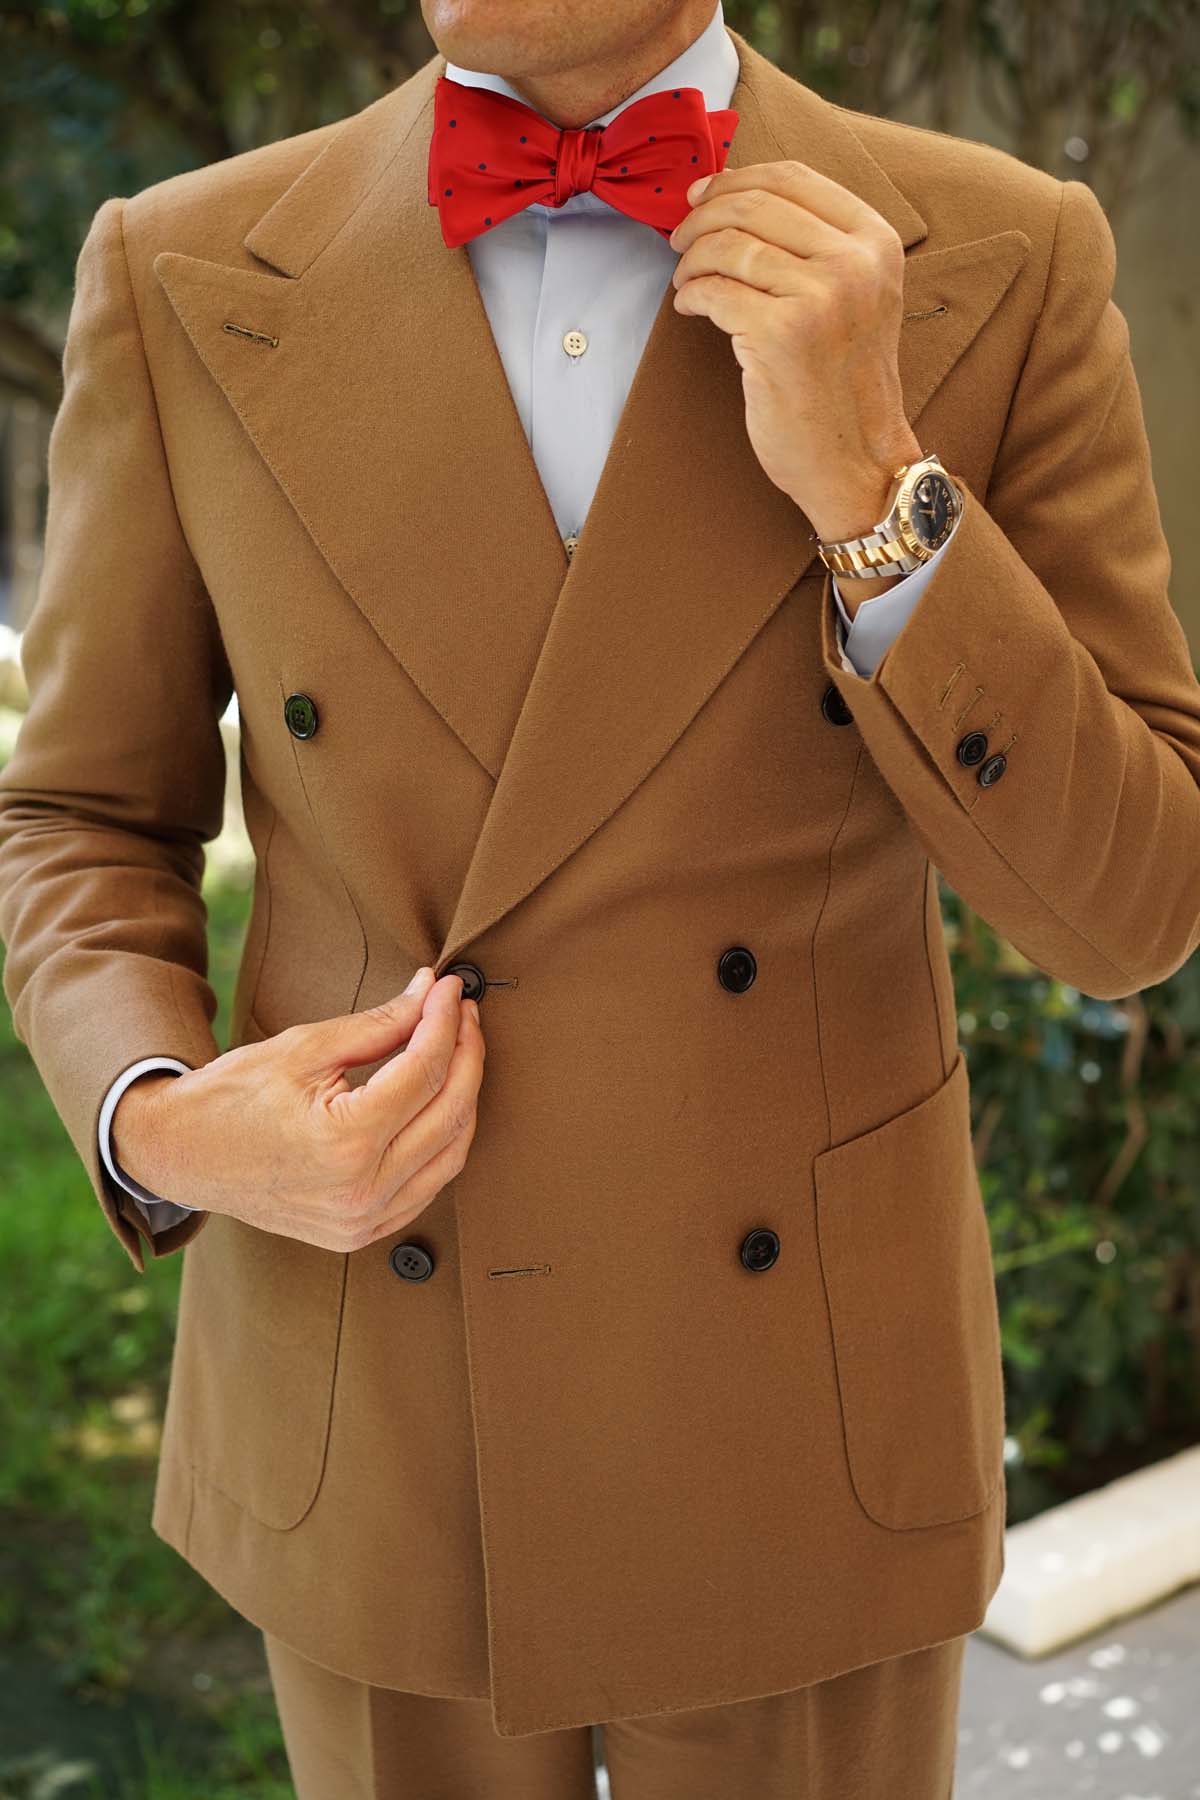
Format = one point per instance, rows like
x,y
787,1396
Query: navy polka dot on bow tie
x,y
448,192
484,165
675,95
487,221
524,140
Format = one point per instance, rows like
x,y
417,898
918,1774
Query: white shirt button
x,y
574,343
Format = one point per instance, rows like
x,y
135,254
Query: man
x,y
633,593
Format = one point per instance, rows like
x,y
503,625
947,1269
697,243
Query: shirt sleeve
x,y
157,1212
877,621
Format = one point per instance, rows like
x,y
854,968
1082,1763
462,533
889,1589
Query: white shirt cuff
x,y
878,620
157,1212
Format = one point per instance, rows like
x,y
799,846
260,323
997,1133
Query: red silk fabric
x,y
491,155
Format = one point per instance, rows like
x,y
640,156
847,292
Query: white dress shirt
x,y
571,293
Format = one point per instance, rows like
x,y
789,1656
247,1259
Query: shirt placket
x,y
568,369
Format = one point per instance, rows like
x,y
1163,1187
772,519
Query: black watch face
x,y
932,511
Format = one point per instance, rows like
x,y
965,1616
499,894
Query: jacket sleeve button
x,y
991,771
300,715
972,748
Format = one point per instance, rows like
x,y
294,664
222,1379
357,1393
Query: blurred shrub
x,y
1086,1116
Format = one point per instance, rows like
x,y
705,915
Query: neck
x,y
574,97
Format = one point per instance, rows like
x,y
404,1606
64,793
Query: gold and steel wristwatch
x,y
923,505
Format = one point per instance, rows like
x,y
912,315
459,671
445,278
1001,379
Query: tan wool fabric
x,y
594,1466
887,1729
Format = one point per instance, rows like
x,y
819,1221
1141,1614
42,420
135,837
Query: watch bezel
x,y
917,546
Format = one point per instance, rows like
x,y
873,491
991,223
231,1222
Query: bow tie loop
x,y
491,155
575,165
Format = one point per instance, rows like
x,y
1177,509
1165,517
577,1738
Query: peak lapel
x,y
383,410
688,548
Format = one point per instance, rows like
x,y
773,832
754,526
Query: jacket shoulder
x,y
207,211
963,187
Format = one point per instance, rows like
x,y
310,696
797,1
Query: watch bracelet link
x,y
857,563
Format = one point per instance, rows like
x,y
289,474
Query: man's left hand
x,y
808,281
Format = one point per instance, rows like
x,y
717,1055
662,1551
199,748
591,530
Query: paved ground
x,y
1114,1717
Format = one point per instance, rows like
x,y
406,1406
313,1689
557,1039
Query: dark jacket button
x,y
759,1249
736,969
972,748
991,771
834,707
300,715
411,1262
472,978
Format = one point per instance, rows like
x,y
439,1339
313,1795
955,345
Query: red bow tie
x,y
490,155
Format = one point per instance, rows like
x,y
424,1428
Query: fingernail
x,y
418,979
698,187
474,1006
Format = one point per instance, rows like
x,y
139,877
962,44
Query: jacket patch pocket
x,y
907,1265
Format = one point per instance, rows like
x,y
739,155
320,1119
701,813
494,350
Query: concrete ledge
x,y
1102,1556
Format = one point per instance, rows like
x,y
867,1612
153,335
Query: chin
x,y
497,36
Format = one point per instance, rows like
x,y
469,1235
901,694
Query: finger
x,y
446,1117
736,253
331,1045
732,305
395,1093
797,181
425,1186
760,213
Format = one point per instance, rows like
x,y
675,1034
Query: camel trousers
x,y
884,1732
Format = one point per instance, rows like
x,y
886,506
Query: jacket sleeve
x,y
118,775
1048,628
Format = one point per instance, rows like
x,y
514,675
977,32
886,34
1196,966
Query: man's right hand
x,y
272,1132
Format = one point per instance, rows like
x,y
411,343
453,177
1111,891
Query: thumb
x,y
377,1031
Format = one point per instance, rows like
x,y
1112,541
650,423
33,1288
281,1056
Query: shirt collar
x,y
709,63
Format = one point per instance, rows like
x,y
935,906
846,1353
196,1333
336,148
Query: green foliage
x,y
101,97
65,145
1087,1130
95,1608
246,1760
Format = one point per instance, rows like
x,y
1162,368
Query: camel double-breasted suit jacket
x,y
604,1460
